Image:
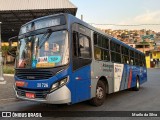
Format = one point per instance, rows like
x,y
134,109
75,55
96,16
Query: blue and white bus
x,y
61,59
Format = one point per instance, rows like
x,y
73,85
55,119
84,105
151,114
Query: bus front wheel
x,y
99,99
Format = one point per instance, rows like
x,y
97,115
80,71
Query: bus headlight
x,y
59,84
63,81
54,86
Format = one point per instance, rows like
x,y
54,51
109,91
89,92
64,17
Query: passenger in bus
x,y
97,54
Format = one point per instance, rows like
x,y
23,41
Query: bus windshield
x,y
43,50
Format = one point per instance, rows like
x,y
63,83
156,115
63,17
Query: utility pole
x,y
2,81
82,17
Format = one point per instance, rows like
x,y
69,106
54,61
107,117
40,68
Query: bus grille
x,y
33,75
38,94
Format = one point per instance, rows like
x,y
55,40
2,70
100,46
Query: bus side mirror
x,y
12,49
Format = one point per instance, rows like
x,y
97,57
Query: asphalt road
x,y
147,99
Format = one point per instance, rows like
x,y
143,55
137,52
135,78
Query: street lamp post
x,y
2,81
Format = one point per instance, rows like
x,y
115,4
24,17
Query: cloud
x,y
135,22
149,17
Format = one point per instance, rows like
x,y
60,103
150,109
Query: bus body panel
x,y
82,82
118,77
37,84
60,96
43,83
129,76
100,70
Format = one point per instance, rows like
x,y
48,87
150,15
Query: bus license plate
x,y
30,95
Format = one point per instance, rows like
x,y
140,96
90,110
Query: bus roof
x,y
42,18
73,19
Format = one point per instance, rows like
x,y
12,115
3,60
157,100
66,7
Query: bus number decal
x,y
42,85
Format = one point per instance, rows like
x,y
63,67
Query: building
x,y
153,56
144,46
14,13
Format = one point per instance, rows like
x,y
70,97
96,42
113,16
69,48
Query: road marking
x,y
7,99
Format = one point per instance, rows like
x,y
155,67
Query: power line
x,y
125,24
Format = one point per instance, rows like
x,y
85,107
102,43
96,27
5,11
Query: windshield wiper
x,y
47,35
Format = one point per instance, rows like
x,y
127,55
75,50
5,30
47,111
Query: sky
x,y
123,12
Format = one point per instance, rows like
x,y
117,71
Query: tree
x,y
5,53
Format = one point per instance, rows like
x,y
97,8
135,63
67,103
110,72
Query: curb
x,y
153,68
10,75
3,82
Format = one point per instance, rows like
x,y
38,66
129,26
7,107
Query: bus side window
x,y
132,58
81,46
95,39
75,44
84,47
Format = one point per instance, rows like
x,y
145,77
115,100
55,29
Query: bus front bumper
x,y
60,96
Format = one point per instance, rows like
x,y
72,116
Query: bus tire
x,y
137,87
100,94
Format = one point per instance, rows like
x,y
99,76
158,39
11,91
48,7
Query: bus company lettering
x,y
118,72
117,69
107,68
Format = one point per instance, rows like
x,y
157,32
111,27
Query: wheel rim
x,y
100,93
137,84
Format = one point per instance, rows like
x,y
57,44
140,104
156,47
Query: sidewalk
x,y
6,90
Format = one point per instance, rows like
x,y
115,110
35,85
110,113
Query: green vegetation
x,y
144,42
8,69
5,53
